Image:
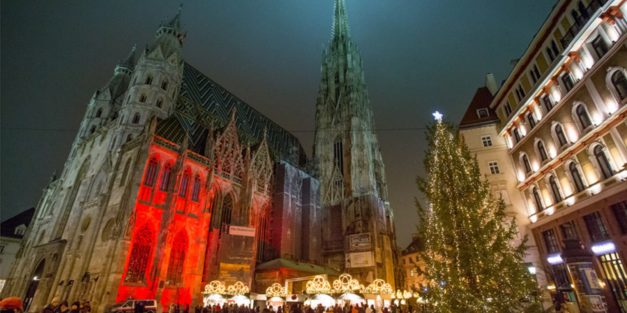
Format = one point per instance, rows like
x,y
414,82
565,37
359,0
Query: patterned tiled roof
x,y
202,103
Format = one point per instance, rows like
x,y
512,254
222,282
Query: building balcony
x,y
581,21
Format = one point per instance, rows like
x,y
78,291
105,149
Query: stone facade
x,y
562,113
173,182
361,238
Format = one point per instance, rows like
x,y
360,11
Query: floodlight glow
x,y
555,258
603,248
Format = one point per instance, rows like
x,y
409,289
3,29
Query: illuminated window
x,y
582,115
526,163
411,273
542,151
140,255
568,82
494,167
151,172
596,227
599,46
616,277
574,172
196,188
547,103
620,83
165,177
550,240
538,200
487,141
531,119
177,259
569,231
604,163
620,212
516,134
561,137
184,184
555,189
508,109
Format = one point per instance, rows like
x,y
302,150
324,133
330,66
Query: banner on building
x,y
232,273
242,231
359,259
360,242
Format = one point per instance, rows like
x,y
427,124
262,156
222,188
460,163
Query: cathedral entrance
x,y
34,283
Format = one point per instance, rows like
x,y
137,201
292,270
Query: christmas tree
x,y
469,262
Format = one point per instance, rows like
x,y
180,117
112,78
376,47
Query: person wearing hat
x,y
53,307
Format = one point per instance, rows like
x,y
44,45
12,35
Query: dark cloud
x,y
419,56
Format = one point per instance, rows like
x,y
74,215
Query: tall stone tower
x,y
360,237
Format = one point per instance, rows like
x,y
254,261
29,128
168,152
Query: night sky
x,y
419,57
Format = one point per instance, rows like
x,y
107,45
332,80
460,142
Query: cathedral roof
x,y
482,99
203,104
7,228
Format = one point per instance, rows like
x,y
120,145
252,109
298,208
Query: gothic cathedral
x,y
173,182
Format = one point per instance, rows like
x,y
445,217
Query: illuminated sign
x,y
603,248
555,258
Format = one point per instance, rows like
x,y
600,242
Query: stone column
x,y
583,276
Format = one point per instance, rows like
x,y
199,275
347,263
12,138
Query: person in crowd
x,y
12,305
139,307
64,307
187,308
198,309
53,307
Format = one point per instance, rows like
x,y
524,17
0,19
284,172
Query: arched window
x,y
136,118
129,138
159,103
177,259
338,154
549,52
226,210
542,151
561,137
148,79
554,47
526,163
99,113
151,172
142,98
165,177
576,17
127,167
184,184
583,117
531,119
620,83
604,163
555,189
196,188
140,255
538,200
164,85
574,172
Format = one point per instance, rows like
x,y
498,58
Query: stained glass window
x,y
140,255
151,172
177,259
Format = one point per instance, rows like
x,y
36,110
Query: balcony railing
x,y
583,18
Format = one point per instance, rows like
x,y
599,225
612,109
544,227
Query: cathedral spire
x,y
129,62
340,21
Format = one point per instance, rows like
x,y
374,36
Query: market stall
x,y
218,294
275,296
347,291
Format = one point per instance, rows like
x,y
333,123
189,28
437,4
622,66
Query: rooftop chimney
x,y
490,83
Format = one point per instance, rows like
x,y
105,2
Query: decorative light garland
x,y
379,287
318,285
214,287
276,290
237,289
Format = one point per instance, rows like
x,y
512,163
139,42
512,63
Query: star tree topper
x,y
438,116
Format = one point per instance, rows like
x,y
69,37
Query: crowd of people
x,y
15,305
294,308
